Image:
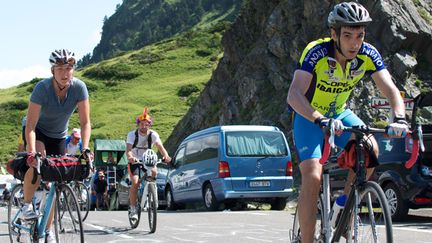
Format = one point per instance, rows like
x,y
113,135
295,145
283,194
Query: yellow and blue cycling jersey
x,y
331,86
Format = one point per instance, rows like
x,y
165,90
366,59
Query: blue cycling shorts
x,y
309,137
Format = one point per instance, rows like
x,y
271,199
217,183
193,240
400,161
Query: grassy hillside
x,y
166,77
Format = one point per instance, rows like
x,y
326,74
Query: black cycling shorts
x,y
134,169
53,146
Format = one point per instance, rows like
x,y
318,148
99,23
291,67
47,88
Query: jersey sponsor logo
x,y
334,87
356,72
373,54
327,107
315,54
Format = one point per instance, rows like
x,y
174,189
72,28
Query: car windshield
x,y
255,144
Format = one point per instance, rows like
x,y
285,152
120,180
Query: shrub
x,y
20,104
203,53
187,90
116,71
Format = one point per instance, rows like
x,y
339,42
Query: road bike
x,y
83,196
147,197
366,215
55,195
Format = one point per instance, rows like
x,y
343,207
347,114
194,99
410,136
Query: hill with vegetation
x,y
166,76
137,23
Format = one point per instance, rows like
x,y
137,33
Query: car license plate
x,y
259,183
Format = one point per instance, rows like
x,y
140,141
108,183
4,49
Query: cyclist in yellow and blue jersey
x,y
328,71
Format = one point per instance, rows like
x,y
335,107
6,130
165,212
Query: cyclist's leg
x,y
308,139
134,176
349,119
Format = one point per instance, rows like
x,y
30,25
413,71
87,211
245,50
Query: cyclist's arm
x,y
385,84
129,153
32,119
163,151
296,95
84,117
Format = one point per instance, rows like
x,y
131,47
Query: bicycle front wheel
x,y
83,197
16,200
373,218
152,206
295,235
67,218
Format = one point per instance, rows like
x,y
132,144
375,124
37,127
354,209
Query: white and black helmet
x,y
149,158
348,14
61,57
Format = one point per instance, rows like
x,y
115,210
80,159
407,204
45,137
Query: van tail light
x,y
224,170
289,168
423,200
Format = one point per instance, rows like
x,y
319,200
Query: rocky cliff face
x,y
263,46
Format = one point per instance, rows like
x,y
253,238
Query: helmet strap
x,y
58,85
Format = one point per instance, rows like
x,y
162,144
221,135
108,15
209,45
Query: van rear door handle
x,y
181,174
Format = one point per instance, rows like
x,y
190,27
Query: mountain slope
x,y
166,77
137,23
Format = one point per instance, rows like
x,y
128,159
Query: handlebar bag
x,y
65,168
18,166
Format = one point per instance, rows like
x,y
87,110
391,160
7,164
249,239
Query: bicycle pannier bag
x,y
18,166
65,168
348,157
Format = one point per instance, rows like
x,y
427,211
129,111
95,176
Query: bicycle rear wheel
x,y
152,206
16,201
67,218
295,235
374,218
83,197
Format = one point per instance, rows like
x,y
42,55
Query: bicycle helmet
x,y
149,158
348,14
144,116
62,57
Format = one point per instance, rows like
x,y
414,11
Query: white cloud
x,y
13,77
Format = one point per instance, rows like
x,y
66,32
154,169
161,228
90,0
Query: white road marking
x,y
109,231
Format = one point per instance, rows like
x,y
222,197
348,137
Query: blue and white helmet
x,y
62,57
149,158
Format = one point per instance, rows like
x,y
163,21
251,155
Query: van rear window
x,y
255,144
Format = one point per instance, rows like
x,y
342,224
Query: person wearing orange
x,y
137,142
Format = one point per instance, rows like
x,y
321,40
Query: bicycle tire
x,y
83,197
14,206
375,210
152,206
135,223
67,224
295,231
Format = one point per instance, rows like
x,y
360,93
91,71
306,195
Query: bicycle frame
x,y
41,222
143,188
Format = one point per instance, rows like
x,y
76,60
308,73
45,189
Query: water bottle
x,y
337,207
425,170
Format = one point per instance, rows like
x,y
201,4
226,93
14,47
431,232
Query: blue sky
x,y
30,30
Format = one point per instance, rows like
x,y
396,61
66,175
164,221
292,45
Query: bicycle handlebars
x,y
415,135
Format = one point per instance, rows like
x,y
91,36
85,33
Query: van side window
x,y
179,158
202,149
250,144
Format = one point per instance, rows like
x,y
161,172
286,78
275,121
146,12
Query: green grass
x,y
117,99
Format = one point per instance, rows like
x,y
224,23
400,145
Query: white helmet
x,y
348,14
62,57
149,158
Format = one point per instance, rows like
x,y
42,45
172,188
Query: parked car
x,y
230,164
7,182
404,188
125,184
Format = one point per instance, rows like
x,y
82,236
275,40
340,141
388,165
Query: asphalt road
x,y
224,226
